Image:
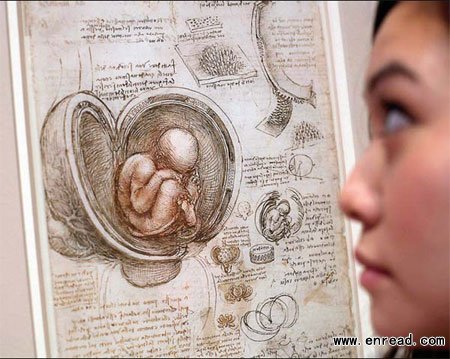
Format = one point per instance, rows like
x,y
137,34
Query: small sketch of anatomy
x,y
285,95
237,293
244,210
144,189
300,166
225,256
270,317
205,23
274,217
226,321
262,254
215,62
158,195
305,133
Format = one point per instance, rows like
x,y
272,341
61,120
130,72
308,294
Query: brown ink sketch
x,y
139,189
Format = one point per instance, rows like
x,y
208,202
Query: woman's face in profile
x,y
400,189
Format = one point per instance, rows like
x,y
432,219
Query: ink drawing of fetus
x,y
157,194
277,218
277,222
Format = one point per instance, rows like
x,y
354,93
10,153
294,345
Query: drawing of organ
x,y
144,189
158,195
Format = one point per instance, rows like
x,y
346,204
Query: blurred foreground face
x,y
400,189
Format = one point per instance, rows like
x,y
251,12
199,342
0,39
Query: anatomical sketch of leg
x,y
157,195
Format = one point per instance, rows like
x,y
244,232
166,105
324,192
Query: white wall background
x,y
16,333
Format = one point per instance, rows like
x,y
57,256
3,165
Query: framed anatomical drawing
x,y
183,163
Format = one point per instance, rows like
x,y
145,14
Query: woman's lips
x,y
373,273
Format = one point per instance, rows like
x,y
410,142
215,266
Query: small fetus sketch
x,y
277,222
215,62
274,217
158,195
244,210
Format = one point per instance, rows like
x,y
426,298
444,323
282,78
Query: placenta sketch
x,y
179,146
215,61
277,64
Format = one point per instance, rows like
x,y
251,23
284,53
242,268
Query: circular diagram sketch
x,y
141,188
300,166
270,316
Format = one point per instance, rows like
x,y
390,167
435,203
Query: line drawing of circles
x,y
300,165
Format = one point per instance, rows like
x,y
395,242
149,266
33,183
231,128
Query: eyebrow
x,y
389,70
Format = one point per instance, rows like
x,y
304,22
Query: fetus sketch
x,y
244,210
288,92
225,256
143,188
198,24
270,317
274,215
158,195
215,62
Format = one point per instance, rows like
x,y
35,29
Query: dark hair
x,y
383,9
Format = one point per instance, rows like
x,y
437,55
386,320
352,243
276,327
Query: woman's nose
x,y
361,196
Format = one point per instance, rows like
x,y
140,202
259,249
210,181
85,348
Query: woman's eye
x,y
395,120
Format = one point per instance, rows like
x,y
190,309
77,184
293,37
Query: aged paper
x,y
191,178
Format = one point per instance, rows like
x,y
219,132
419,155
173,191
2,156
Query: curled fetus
x,y
157,195
277,222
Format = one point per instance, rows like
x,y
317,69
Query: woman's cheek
x,y
417,196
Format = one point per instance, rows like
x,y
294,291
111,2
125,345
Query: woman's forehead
x,y
415,35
